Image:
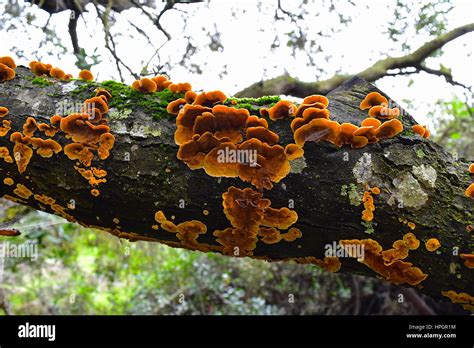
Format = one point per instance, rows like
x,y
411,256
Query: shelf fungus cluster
x,y
462,298
389,266
43,69
311,122
229,142
369,206
251,217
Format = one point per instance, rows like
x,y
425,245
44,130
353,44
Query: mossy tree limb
x,y
420,182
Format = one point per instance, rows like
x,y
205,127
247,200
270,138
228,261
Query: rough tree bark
x,y
420,182
291,86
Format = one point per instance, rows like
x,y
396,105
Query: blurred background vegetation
x,y
85,271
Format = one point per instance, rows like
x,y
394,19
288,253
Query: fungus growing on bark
x,y
5,127
22,191
161,82
45,148
345,135
317,130
86,75
246,210
389,129
106,143
6,73
468,260
5,154
255,121
384,112
144,85
470,191
471,168
195,150
8,61
190,97
313,101
79,129
398,272
432,244
463,298
293,151
21,152
272,164
280,110
179,87
185,122
3,111
40,69
8,181
103,92
400,249
57,73
210,99
95,192
263,134
175,106
329,263
80,152
96,107
369,207
373,99
422,131
309,114
30,127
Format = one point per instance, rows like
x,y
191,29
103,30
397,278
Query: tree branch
x,y
291,86
419,181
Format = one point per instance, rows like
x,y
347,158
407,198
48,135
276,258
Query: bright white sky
x,y
247,37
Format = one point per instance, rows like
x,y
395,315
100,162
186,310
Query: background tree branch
x,y
288,85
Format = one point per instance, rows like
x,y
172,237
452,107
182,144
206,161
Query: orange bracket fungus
x,y
39,68
7,69
400,249
383,112
246,211
280,110
8,61
30,127
179,87
57,73
161,82
312,101
5,154
210,99
470,191
145,85
369,207
373,99
176,105
86,75
21,151
5,127
471,168
462,298
3,111
398,272
468,260
432,244
422,131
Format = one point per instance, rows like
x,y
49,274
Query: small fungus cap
x,y
86,75
372,99
8,61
